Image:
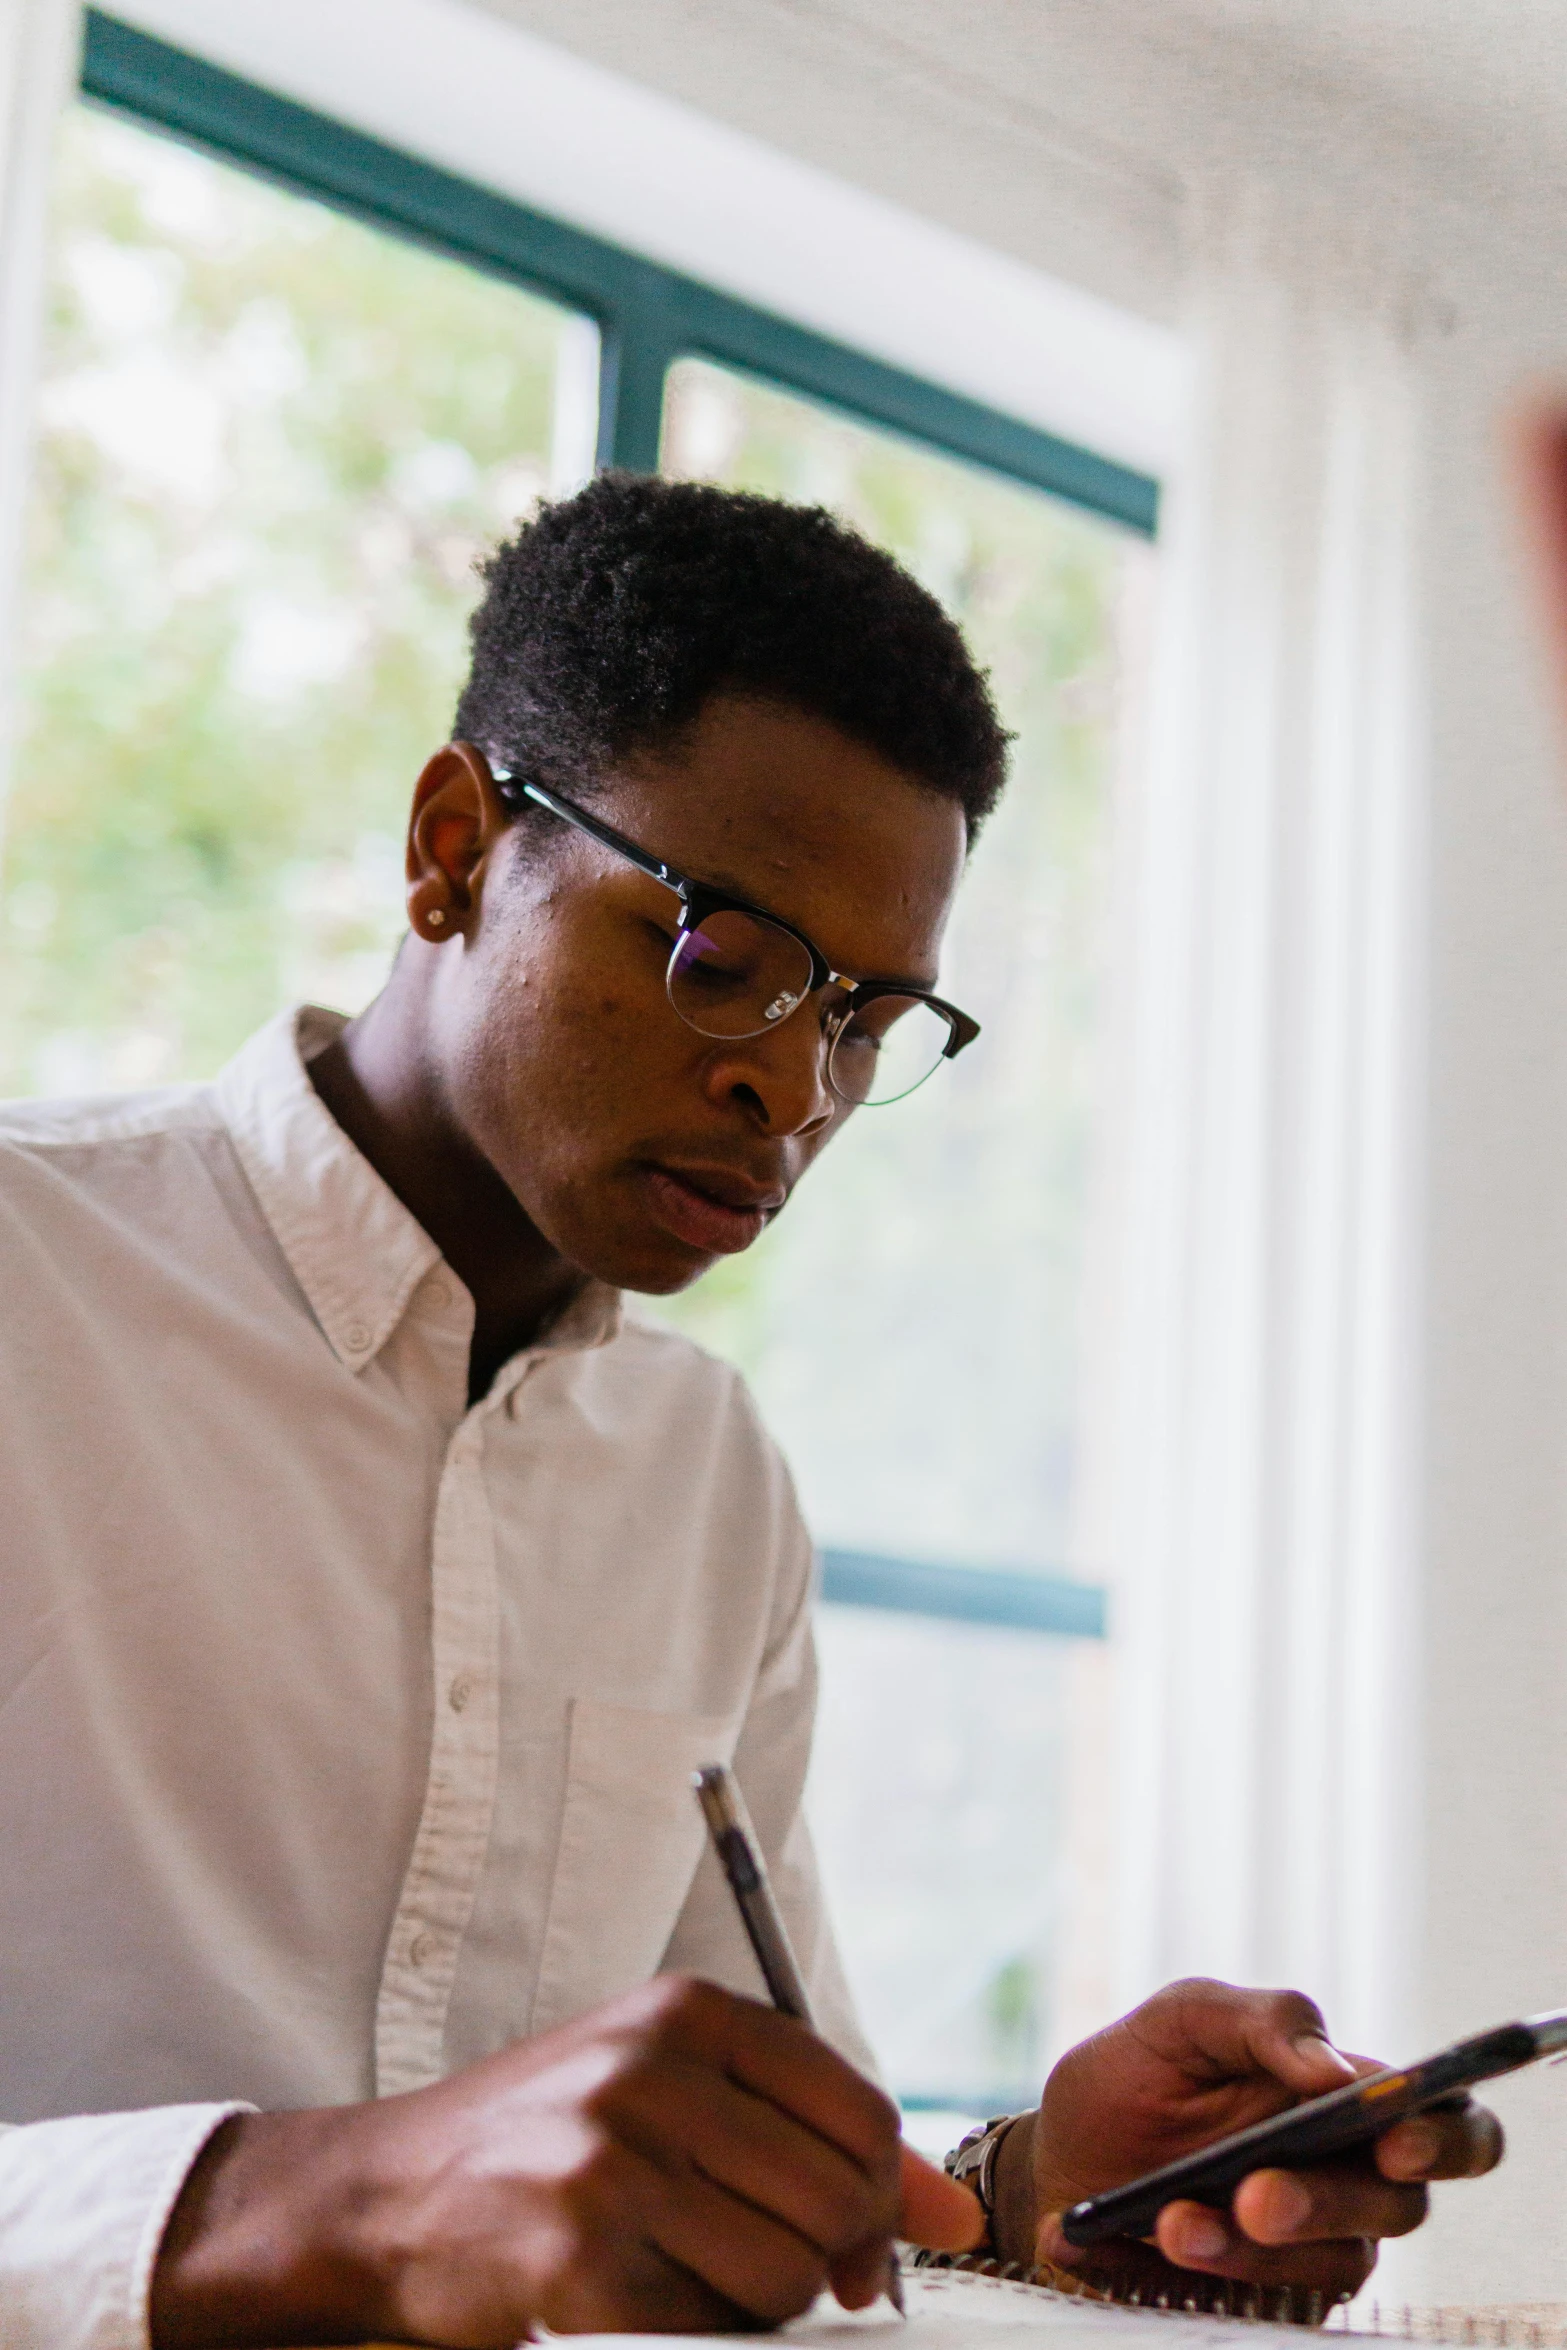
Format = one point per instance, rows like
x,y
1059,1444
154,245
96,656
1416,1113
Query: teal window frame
x,y
1021,1601
648,317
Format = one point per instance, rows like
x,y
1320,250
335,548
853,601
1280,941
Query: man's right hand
x,y
680,2160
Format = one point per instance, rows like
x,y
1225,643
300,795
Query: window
x,y
271,444
920,1361
273,438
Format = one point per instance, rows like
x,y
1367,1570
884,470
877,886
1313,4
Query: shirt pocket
x,y
631,1836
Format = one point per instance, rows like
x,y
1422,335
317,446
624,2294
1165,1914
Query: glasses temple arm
x,y
605,834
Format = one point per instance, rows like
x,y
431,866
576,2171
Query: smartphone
x,y
1306,2133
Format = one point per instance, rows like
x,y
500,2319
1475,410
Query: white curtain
x,y
39,45
1266,1400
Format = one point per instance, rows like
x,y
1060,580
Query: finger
x,y
1226,2033
936,2210
859,2278
1192,2237
1196,2250
1120,2260
1461,2142
641,2290
746,2255
1286,2036
612,2273
681,2115
933,2210
686,2113
785,2062
1122,2265
1307,2206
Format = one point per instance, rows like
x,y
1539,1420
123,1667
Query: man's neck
x,y
375,1081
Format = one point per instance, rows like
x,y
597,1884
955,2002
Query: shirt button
x,y
356,1337
460,1692
421,1949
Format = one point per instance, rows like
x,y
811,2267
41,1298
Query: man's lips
x,y
712,1209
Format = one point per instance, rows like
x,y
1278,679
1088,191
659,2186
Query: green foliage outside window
x,y
271,444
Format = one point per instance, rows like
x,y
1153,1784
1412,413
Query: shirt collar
x,y
355,1250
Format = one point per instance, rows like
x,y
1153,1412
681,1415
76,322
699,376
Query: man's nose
x,y
780,1077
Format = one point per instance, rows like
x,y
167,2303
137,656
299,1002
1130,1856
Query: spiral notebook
x,y
955,2307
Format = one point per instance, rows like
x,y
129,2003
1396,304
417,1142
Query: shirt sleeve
x,y
83,2206
770,1761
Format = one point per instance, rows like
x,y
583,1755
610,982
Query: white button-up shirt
x,y
346,1730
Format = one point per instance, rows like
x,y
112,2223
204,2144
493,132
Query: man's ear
x,y
456,819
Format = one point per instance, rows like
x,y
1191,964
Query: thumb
x,y
1216,2031
1301,2055
935,2210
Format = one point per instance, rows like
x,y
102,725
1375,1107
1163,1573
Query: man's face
x,y
640,1149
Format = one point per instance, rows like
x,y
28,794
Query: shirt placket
x,y
453,1837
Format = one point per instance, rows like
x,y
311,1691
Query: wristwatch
x,y
973,2162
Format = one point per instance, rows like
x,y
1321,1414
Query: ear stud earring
x,y
435,917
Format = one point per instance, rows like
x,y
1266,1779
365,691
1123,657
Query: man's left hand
x,y
1193,2063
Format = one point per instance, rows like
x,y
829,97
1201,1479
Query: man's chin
x,y
649,1269
668,1284
627,1252
661,1236
643,1259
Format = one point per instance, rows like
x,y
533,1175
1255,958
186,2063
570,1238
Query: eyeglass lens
x,y
888,1049
735,974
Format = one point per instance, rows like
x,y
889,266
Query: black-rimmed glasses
x,y
737,971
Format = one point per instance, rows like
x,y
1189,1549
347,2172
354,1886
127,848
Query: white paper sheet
x,y
949,2309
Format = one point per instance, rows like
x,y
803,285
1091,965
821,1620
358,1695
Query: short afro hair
x,y
609,621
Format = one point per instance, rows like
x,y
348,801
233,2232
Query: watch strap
x,y
973,2162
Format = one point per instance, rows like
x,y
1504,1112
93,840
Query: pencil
x,y
723,1808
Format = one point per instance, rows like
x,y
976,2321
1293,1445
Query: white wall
x,y
1494,1937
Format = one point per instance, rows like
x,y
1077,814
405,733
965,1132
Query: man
x,y
374,1585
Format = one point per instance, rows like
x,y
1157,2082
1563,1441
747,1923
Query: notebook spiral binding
x,y
1524,2327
